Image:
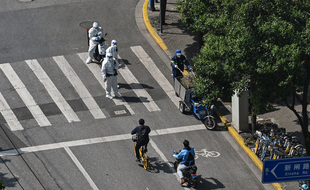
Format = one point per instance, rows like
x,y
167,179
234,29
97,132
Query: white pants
x,y
111,82
180,168
91,49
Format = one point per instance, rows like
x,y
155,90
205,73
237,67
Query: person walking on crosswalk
x,y
109,73
113,49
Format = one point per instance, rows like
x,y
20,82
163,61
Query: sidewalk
x,y
175,36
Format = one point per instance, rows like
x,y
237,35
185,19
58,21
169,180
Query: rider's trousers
x,y
180,168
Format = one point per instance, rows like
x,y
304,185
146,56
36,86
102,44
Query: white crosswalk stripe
x,y
142,94
79,87
9,116
97,73
25,95
14,124
156,73
53,91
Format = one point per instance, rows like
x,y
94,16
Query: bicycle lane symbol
x,y
205,153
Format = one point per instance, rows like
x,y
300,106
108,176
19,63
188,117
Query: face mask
x,y
114,45
178,56
110,58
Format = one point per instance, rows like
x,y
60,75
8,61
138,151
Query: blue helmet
x,y
178,52
305,187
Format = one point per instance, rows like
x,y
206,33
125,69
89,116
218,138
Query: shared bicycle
x,y
142,152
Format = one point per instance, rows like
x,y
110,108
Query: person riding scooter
x,y
188,159
95,35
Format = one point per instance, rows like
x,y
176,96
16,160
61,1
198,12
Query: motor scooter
x,y
189,173
100,50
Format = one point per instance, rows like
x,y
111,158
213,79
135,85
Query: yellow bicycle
x,y
142,152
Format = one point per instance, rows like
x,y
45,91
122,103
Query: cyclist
x,y
142,132
188,159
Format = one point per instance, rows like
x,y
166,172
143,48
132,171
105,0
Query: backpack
x,y
142,134
190,159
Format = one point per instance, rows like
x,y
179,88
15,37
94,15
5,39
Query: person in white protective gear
x,y
113,49
95,35
108,70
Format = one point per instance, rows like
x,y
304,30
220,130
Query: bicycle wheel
x,y
145,161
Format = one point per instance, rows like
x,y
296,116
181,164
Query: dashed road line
x,y
81,168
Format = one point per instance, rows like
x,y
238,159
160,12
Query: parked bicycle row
x,y
274,143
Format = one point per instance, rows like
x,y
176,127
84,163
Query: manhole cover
x,y
86,24
25,1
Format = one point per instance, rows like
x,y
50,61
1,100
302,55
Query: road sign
x,y
288,169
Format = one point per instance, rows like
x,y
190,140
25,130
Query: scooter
x,y
100,49
189,174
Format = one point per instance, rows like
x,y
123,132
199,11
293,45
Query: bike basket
x,y
134,137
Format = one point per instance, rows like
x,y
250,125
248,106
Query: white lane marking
x,y
96,70
164,158
8,115
143,95
97,140
81,168
79,87
53,91
25,95
156,73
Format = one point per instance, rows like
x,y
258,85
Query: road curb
x,y
151,30
248,151
232,131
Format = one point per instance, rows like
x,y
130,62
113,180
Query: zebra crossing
x,y
56,94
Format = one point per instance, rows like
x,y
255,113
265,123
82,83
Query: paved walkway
x,y
175,36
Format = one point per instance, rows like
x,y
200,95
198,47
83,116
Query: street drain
x,y
86,24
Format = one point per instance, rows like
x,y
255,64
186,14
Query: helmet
x,y
178,52
95,25
305,186
113,42
109,55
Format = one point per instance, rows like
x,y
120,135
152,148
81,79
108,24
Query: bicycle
x,y
142,152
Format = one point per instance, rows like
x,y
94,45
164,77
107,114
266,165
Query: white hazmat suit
x,y
109,72
94,34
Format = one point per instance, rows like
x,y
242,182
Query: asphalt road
x,y
92,148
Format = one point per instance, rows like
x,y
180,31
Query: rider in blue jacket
x,y
188,159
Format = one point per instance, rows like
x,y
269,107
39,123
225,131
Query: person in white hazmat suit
x,y
113,49
109,73
95,35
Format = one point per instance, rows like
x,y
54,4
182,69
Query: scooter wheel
x,y
209,122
